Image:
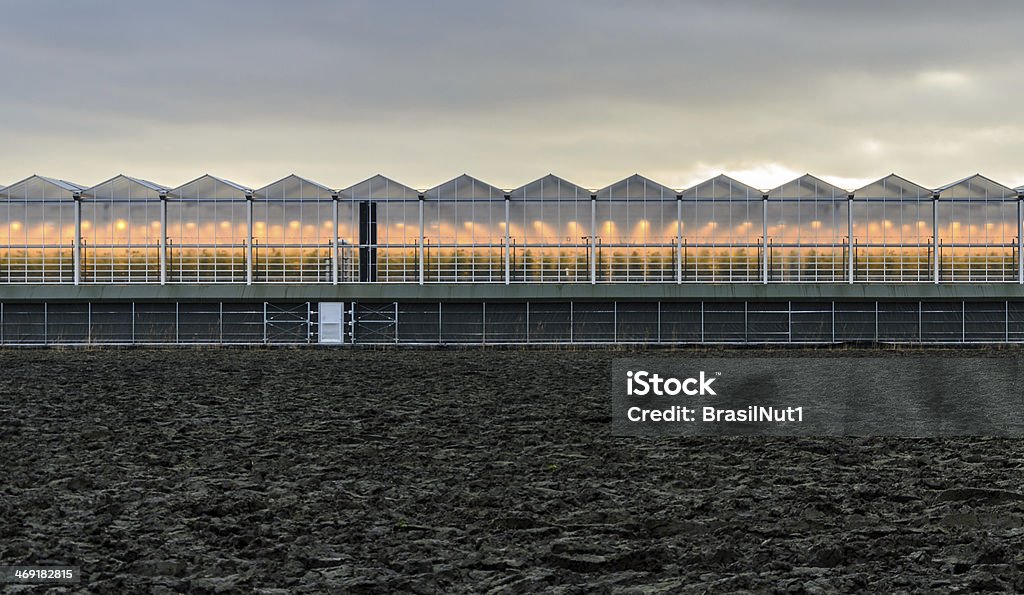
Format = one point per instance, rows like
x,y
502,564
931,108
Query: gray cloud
x,y
509,91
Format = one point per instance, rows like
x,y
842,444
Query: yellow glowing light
x,y
644,223
747,223
989,225
815,224
328,223
712,224
260,224
15,225
538,224
293,224
401,225
120,225
468,224
956,225
225,224
86,224
190,225
887,223
155,224
922,224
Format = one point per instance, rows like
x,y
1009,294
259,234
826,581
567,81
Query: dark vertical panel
x,y
505,322
1015,322
111,322
419,322
199,323
462,322
941,322
67,323
154,323
768,322
637,322
367,235
244,323
593,322
898,321
680,322
985,321
855,321
724,322
812,321
549,322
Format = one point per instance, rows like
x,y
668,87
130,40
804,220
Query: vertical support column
x,y
336,249
849,240
248,241
423,265
935,238
1020,239
593,239
679,239
76,246
764,239
163,238
508,249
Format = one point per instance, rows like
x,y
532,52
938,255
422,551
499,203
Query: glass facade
x,y
722,232
892,231
37,231
636,232
977,230
293,234
549,232
207,232
210,230
121,230
463,232
807,231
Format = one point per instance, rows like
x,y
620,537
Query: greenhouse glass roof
x,y
210,187
808,187
550,187
379,188
465,187
976,187
721,187
122,186
636,187
893,187
293,187
40,188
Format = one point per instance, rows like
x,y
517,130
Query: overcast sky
x,y
509,91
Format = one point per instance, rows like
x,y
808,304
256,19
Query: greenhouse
x,y
473,261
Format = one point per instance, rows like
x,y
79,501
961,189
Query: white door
x,y
332,322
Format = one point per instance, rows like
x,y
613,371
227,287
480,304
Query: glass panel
x,y
892,227
464,231
637,232
293,232
37,231
386,247
549,232
722,227
207,231
807,231
121,232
